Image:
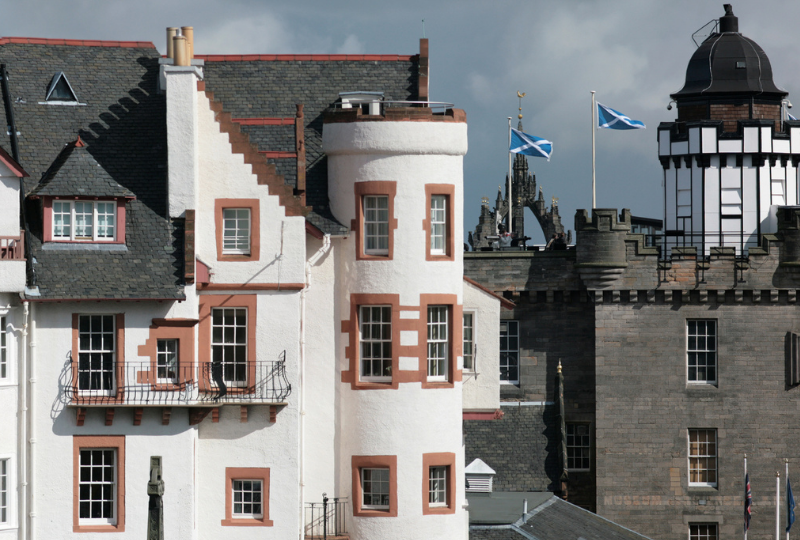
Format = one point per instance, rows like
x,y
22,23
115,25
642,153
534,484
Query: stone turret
x,y
600,257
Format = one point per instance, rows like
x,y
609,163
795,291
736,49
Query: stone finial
x,y
559,365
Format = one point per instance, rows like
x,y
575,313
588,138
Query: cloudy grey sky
x,y
632,52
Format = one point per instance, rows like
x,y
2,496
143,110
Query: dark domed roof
x,y
728,63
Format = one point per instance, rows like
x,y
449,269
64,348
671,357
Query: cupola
x,y
729,78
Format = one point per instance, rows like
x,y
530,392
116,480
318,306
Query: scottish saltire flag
x,y
609,118
789,505
522,143
791,117
748,502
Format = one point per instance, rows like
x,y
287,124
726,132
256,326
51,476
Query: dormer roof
x,y
75,173
12,165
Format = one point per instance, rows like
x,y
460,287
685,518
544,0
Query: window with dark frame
x,y
509,352
375,339
97,486
96,354
4,489
703,531
703,457
3,350
701,350
579,447
375,489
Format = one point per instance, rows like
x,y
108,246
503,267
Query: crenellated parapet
x,y
601,253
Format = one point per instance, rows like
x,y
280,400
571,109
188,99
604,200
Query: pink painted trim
x,y
264,121
77,42
303,57
314,231
15,167
47,205
277,154
202,273
505,302
120,222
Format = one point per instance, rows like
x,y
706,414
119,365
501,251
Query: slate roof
x,y
521,447
76,173
553,519
254,87
124,127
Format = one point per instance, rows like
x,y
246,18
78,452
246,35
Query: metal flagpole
x,y
745,495
510,199
594,121
777,505
788,510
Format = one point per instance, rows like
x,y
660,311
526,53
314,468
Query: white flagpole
x,y
777,505
745,490
594,122
510,199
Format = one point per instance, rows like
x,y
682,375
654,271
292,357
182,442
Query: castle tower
x,y
730,158
397,178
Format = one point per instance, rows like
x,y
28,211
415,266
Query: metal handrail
x,y
396,102
146,384
326,519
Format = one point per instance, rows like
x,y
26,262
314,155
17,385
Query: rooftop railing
x,y
326,520
11,247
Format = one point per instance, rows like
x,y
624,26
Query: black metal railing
x,y
703,242
98,380
326,519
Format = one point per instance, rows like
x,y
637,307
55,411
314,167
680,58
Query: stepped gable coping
x,y
304,57
265,172
77,42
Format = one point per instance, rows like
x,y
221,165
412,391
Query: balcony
x,y
11,248
99,381
326,520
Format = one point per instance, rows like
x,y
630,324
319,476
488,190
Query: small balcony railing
x,y
101,381
326,520
11,247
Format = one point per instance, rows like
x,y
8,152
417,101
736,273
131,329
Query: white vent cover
x,y
479,477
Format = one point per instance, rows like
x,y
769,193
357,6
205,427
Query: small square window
x,y
247,499
375,489
236,231
703,457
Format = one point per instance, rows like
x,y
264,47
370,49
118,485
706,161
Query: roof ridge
x,y
76,42
304,57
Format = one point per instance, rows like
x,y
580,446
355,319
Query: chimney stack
x,y
188,33
180,49
171,33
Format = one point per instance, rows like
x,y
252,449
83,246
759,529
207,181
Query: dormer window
x,y
87,221
60,92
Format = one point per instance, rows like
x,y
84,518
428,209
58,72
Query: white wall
x,y
482,387
9,405
9,202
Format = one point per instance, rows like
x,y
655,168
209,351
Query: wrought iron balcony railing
x,y
98,380
326,520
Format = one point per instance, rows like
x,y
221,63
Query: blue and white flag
x,y
522,143
790,116
609,118
789,505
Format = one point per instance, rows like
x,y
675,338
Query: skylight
x,y
60,92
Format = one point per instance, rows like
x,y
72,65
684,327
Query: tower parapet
x,y
601,252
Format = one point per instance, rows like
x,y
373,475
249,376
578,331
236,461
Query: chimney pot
x,y
188,33
181,54
171,33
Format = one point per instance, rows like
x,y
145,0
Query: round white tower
x,y
397,179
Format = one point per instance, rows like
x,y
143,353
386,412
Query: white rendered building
x,y
193,296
